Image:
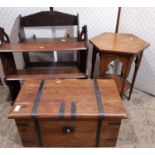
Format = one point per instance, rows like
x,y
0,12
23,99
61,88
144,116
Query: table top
x,y
119,42
44,45
81,93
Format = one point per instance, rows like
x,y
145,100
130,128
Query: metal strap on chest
x,y
62,110
37,99
34,110
100,109
73,110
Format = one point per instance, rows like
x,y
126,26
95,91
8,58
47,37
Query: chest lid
x,y
69,99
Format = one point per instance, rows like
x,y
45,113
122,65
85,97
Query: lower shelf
x,y
54,73
119,82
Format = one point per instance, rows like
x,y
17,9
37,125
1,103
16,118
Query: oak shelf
x,y
45,45
54,73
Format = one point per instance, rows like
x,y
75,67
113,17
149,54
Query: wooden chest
x,y
68,113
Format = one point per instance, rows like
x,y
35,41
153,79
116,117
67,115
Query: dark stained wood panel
x,y
48,18
27,132
45,45
59,64
109,134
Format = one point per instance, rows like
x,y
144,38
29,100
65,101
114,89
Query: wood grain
x,y
45,45
54,73
23,45
113,105
48,18
120,43
120,47
109,134
84,133
119,82
81,92
83,128
27,132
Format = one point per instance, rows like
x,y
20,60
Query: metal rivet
x,y
68,130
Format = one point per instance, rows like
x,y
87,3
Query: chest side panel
x,y
109,133
27,132
114,112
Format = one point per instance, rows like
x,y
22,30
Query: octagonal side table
x,y
119,47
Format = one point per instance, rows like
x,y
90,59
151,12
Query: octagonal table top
x,y
119,42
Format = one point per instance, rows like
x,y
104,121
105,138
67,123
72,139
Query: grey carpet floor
x,y
136,131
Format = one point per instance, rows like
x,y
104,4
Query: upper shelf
x,y
45,45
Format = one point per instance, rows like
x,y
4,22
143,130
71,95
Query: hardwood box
x,y
68,113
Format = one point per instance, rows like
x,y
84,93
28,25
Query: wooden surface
x,y
119,43
27,132
109,133
119,82
23,45
45,45
84,129
48,18
51,73
112,103
84,133
121,79
81,92
119,47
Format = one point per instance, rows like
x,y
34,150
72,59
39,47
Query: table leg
x,y
93,61
127,62
137,64
124,78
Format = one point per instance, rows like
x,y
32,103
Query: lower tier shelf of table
x,y
119,81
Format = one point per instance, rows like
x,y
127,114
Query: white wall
x,y
98,20
141,22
